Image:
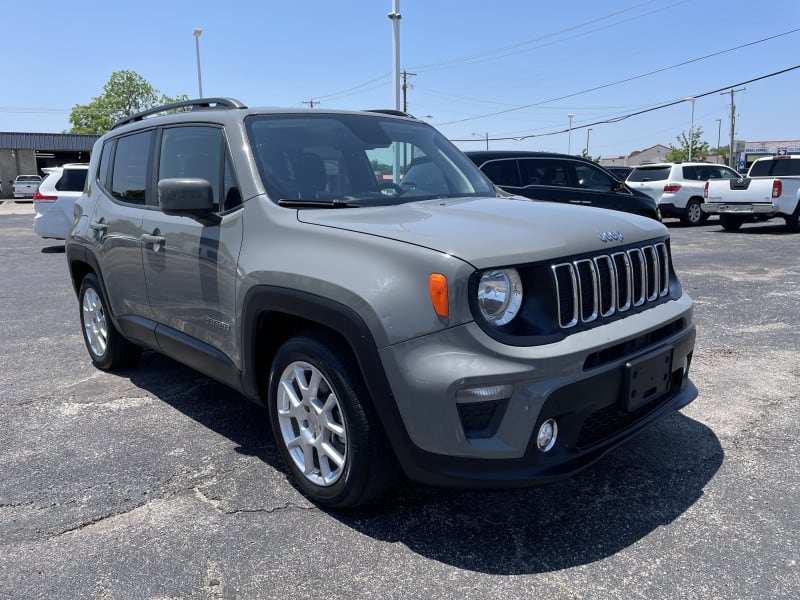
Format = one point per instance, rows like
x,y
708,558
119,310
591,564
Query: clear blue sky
x,y
471,59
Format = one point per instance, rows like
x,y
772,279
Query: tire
x,y
693,214
106,346
731,222
793,220
324,424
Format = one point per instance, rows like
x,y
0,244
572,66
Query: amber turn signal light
x,y
437,284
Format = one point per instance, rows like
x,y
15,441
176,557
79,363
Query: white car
x,y
54,201
678,187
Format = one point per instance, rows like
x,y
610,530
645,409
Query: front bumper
x,y
743,208
581,382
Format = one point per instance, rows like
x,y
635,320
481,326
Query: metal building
x,y
29,153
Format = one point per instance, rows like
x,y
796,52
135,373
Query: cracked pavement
x,y
157,482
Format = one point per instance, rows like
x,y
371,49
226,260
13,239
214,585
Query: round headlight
x,y
500,295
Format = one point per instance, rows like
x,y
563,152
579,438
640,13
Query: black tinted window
x,y
72,180
590,178
649,174
103,171
776,167
543,171
502,172
192,152
129,179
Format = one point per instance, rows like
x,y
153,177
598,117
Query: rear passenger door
x,y
121,185
190,267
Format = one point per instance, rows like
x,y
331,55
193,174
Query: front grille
x,y
590,288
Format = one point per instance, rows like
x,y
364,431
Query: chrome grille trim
x,y
588,289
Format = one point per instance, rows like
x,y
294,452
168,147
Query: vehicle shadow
x,y
647,483
60,249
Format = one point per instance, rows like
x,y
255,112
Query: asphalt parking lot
x,y
157,482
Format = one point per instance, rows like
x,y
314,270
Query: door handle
x,y
157,241
153,239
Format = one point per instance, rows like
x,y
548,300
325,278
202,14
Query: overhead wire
x,y
640,112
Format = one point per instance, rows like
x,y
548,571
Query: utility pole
x,y
733,124
405,86
309,103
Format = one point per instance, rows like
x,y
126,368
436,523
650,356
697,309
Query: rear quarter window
x,y
72,180
649,174
778,167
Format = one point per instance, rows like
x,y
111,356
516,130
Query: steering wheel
x,y
389,188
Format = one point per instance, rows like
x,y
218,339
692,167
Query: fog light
x,y
546,438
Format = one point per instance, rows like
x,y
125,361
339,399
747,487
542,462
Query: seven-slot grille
x,y
600,286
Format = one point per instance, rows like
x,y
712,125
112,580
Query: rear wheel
x,y
693,213
324,424
793,220
731,222
106,346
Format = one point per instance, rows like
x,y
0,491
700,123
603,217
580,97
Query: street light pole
x,y
569,136
196,34
588,131
691,128
395,17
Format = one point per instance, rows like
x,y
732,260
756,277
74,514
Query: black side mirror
x,y
193,198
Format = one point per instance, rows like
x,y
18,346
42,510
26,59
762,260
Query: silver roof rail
x,y
197,104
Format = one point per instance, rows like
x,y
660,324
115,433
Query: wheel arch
x,y
272,314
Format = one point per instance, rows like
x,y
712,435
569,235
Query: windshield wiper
x,y
332,203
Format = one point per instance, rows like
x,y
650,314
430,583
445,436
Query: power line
x,y
640,112
607,85
520,46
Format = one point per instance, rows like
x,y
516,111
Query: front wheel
x,y
731,222
106,346
324,424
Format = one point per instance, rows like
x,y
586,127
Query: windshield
x,y
358,160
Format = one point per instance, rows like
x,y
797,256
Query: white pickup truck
x,y
25,186
771,189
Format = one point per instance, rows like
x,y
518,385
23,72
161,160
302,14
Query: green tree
x,y
587,156
681,152
125,93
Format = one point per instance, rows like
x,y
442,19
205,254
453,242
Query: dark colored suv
x,y
561,178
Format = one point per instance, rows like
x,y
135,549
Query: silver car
x,y
356,274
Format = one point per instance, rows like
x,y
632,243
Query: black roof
x,y
481,156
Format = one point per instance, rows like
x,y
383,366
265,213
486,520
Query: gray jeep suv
x,y
360,277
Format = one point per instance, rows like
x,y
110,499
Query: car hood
x,y
489,231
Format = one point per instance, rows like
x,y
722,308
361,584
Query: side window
x,y
192,152
103,169
502,172
129,177
72,180
589,178
690,173
543,171
726,173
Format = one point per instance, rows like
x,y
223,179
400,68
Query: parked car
x,y
771,189
678,187
620,173
424,325
25,186
54,201
561,178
